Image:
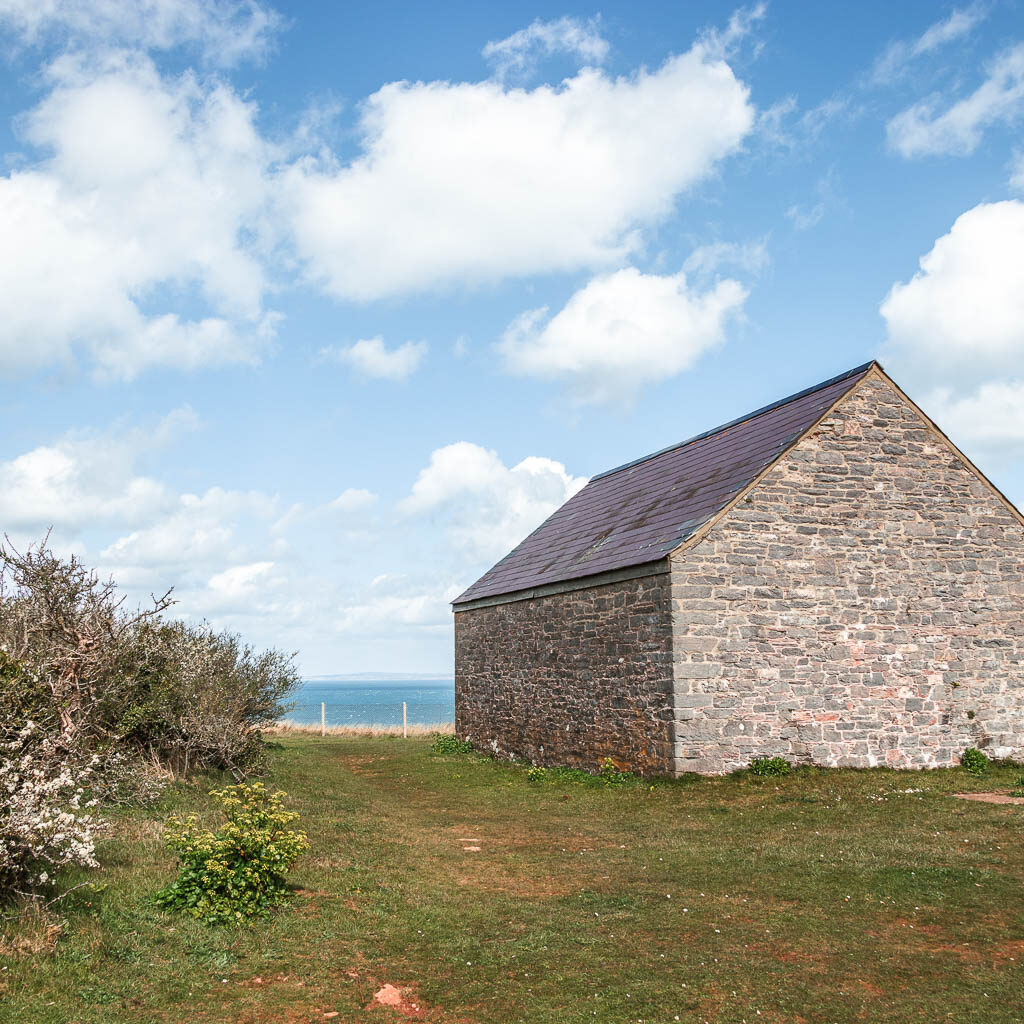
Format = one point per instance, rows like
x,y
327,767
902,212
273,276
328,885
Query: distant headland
x,y
376,677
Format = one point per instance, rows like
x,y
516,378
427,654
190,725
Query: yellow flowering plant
x,y
238,872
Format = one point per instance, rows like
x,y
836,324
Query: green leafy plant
x,y
610,775
607,774
446,743
565,775
238,872
769,767
974,761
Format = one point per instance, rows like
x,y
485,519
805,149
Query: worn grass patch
x,y
478,896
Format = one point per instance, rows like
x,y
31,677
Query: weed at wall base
x,y
769,767
446,743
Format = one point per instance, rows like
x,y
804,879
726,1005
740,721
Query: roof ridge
x,y
863,368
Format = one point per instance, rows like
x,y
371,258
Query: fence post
x,y
323,718
405,731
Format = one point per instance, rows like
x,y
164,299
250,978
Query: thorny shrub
x,y
201,697
238,872
96,676
68,632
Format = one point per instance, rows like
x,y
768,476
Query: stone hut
x,y
828,579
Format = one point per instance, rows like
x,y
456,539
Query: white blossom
x,y
41,830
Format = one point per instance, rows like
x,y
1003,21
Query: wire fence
x,y
396,714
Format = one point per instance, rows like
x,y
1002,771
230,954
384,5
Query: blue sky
x,y
314,311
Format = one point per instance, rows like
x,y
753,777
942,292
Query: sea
x,y
374,701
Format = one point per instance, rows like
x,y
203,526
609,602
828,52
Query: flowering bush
x,y
42,824
237,872
94,694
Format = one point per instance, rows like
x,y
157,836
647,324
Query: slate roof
x,y
640,512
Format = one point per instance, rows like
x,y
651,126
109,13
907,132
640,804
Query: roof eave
x,y
601,579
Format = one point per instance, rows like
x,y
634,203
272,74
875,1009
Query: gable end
x,y
874,373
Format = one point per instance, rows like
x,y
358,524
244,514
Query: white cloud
x,y
1017,172
804,218
224,31
965,307
152,210
783,124
521,51
151,183
82,481
751,256
621,331
354,499
474,182
814,121
488,507
373,358
989,416
771,121
722,43
926,130
237,588
89,488
958,327
959,23
893,62
56,485
410,606
350,508
195,531
167,341
224,555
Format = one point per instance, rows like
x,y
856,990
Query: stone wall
x,y
570,678
863,605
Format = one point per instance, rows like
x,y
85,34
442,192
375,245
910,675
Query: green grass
x,y
824,896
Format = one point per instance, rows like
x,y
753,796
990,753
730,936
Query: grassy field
x,y
826,896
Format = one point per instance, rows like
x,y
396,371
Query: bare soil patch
x,y
401,1000
990,798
